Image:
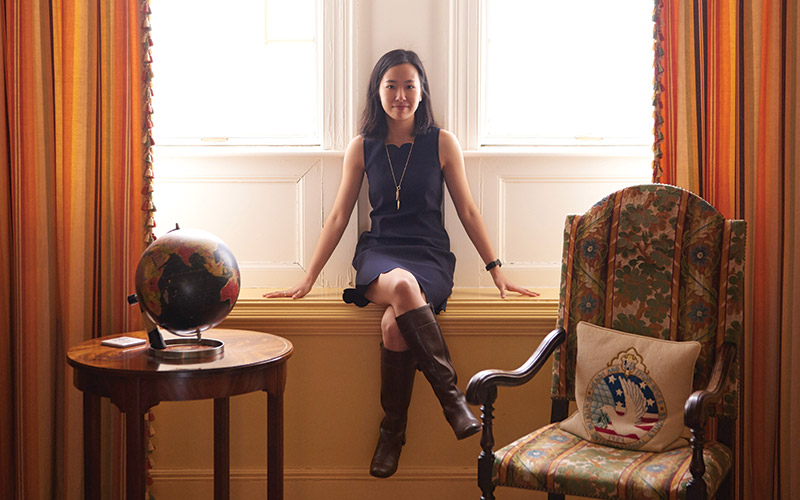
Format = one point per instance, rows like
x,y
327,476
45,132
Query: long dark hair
x,y
373,120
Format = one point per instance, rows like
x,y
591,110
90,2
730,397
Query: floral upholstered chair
x,y
648,339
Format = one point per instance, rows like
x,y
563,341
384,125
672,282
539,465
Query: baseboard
x,y
334,483
349,474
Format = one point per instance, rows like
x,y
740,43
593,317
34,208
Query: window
x,y
566,73
241,72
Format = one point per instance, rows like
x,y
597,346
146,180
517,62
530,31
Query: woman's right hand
x,y
297,291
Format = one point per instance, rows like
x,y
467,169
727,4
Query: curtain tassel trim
x,y
148,207
658,89
147,137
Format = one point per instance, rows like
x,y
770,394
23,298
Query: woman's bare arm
x,y
452,161
335,224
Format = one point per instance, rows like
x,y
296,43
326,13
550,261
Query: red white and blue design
x,y
623,406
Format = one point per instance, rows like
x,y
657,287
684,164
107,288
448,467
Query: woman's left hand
x,y
502,284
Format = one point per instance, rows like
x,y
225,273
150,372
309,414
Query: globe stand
x,y
192,347
154,336
187,348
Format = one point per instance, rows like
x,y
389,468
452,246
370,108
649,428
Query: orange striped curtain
x,y
74,193
696,99
728,128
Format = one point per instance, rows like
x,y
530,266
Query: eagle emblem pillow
x,y
631,389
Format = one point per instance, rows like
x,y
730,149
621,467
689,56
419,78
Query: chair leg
x,y
555,496
485,463
697,489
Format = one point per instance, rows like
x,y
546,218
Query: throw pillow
x,y
631,389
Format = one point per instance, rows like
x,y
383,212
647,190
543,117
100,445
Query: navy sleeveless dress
x,y
411,238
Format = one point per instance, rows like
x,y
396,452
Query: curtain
x,y
728,128
74,193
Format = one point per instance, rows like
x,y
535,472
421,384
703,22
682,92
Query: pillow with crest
x,y
631,389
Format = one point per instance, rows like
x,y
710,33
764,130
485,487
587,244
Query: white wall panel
x,y
268,209
524,199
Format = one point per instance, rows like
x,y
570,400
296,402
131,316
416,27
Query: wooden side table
x,y
135,381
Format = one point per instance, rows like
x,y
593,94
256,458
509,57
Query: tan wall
x,y
332,410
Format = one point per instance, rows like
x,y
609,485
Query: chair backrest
x,y
659,261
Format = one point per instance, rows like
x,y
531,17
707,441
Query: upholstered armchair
x,y
662,264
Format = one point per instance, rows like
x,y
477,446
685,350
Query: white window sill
x,y
470,311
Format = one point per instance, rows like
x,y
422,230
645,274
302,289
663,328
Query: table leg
x,y
222,447
91,446
135,452
275,445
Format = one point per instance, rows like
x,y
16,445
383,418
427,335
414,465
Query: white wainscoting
x,y
524,199
269,207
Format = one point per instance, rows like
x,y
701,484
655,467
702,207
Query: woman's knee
x,y
403,283
397,288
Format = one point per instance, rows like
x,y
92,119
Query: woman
x,y
404,263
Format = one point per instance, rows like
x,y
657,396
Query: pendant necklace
x,y
391,169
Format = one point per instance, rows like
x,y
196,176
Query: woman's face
x,y
400,92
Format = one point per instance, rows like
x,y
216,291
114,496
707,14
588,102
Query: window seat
x,y
470,311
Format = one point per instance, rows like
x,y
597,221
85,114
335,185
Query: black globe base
x,y
156,339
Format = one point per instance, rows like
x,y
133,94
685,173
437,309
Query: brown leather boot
x,y
423,335
397,380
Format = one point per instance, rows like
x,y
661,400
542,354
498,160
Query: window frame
x,y
334,89
466,109
336,75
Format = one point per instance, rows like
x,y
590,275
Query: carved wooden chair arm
x,y
482,386
701,405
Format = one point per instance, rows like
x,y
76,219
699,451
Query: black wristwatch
x,y
495,263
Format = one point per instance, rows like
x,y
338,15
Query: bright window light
x,y
568,72
236,72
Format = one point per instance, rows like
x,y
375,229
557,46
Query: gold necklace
x,y
391,169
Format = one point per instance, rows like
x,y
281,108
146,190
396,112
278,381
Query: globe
x,y
187,281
